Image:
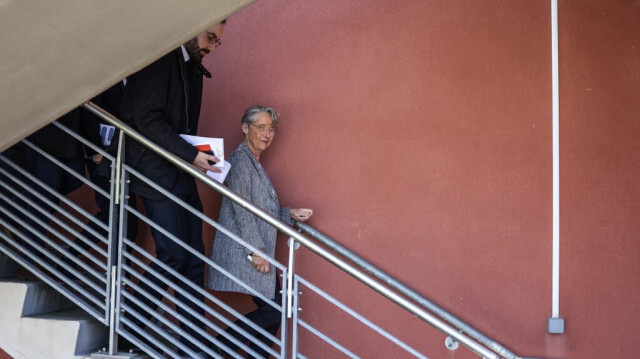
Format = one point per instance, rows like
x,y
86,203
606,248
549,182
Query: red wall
x,y
420,133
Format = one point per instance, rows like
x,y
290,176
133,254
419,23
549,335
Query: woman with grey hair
x,y
248,178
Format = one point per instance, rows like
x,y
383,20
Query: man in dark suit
x,y
101,136
63,148
163,101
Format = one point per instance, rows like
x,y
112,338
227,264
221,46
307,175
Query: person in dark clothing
x,y
101,136
63,148
163,101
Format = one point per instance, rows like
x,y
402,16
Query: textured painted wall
x,y
420,133
601,165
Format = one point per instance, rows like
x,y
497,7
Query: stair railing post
x,y
290,293
294,332
290,267
118,227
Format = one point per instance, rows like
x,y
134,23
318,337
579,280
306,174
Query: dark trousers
x,y
187,228
53,176
102,215
266,317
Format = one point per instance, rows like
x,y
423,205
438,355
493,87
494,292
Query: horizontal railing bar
x,y
84,141
162,333
291,232
327,339
41,248
175,327
95,148
201,256
60,197
200,215
69,171
194,172
200,290
207,295
21,209
359,317
132,337
47,279
49,228
405,290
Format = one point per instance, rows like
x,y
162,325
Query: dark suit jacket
x,y
57,142
110,101
159,102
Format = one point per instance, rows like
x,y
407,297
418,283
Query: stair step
x,y
26,298
91,334
38,322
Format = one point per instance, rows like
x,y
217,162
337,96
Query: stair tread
x,y
73,314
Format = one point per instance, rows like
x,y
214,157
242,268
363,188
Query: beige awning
x,y
57,54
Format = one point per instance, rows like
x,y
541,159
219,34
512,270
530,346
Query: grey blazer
x,y
249,179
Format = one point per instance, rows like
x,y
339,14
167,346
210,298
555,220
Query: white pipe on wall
x,y
555,323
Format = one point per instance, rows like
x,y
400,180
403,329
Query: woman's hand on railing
x,y
259,263
301,214
204,162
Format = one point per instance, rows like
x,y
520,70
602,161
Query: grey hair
x,y
252,112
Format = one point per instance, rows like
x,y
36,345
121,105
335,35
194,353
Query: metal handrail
x,y
380,282
405,290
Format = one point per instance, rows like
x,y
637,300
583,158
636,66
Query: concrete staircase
x,y
38,322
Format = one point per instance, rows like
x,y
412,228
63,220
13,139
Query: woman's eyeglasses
x,y
262,128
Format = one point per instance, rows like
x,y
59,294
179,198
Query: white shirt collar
x,y
185,53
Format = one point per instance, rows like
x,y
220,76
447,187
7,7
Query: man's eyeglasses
x,y
213,39
262,128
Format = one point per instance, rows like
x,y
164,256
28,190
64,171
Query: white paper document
x,y
106,134
216,146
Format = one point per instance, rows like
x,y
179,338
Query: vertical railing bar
x,y
294,322
116,172
117,226
284,327
291,242
113,339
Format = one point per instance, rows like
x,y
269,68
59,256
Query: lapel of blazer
x,y
262,173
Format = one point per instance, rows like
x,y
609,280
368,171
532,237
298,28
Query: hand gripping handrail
x,y
475,341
